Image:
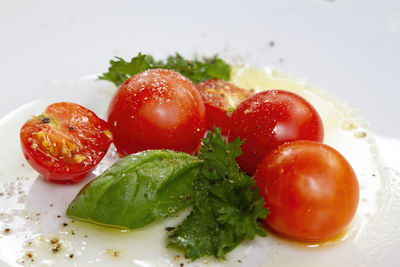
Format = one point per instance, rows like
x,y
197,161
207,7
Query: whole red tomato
x,y
310,190
269,119
157,109
220,99
65,143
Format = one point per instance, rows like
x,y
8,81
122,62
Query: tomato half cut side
x,y
269,119
310,189
65,143
220,99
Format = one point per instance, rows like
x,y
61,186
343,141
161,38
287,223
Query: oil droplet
x,y
349,125
360,134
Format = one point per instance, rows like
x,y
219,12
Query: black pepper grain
x,y
57,248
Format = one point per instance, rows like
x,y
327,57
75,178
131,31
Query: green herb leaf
x,y
138,189
196,70
226,207
120,70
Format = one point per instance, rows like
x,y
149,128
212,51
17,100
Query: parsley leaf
x,y
226,207
196,70
120,70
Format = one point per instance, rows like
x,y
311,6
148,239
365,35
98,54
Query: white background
x,y
349,47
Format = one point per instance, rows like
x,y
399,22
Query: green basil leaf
x,y
138,190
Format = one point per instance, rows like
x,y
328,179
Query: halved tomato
x,y
220,99
65,143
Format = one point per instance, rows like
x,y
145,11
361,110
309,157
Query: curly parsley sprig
x,y
196,70
226,208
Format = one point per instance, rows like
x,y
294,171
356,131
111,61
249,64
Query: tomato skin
x,y
220,99
269,119
65,143
157,109
310,189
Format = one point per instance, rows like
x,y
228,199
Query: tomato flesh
x,y
310,189
157,109
65,143
269,119
220,99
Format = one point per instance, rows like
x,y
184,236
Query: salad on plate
x,y
191,162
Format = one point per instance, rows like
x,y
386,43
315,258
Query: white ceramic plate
x,y
36,232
